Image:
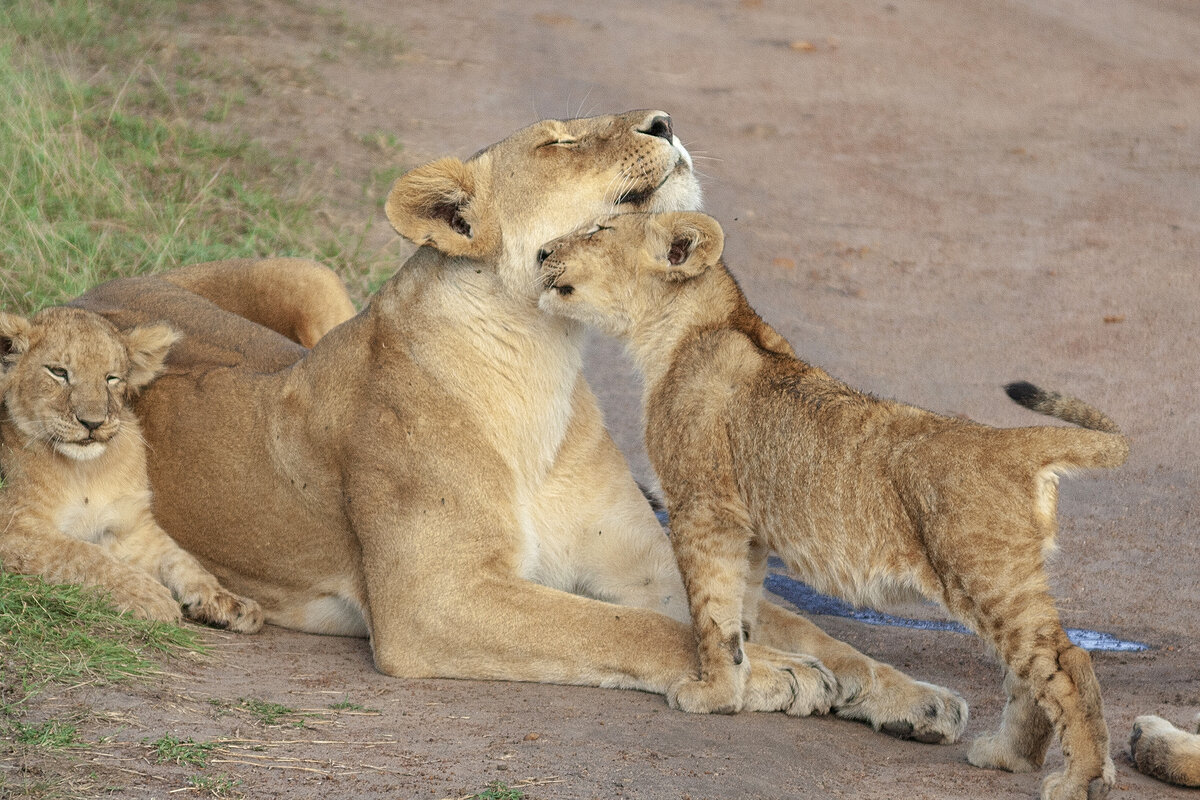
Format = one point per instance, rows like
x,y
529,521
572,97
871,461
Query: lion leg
x,y
1162,751
713,556
1024,736
30,547
1023,626
300,299
756,573
203,598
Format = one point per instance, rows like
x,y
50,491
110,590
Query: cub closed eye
x,y
560,143
58,372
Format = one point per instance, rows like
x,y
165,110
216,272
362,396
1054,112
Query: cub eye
x,y
58,372
560,143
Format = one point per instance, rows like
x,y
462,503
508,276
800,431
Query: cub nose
x,y
660,126
543,254
90,424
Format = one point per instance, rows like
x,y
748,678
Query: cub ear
x,y
695,243
148,346
445,204
14,337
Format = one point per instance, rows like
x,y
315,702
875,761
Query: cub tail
x,y
1064,407
1106,447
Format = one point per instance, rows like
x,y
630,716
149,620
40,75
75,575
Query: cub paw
x,y
795,684
1063,786
995,751
705,696
224,609
909,709
146,599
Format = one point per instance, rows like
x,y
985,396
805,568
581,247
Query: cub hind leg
x,y
1044,666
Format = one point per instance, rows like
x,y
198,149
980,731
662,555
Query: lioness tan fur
x,y
75,506
1163,751
435,472
864,498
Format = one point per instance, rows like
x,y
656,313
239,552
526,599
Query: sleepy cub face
x,y
624,271
68,374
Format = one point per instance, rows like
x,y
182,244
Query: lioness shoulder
x,y
75,502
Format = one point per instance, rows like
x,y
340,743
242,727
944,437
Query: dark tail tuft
x,y
1024,393
1064,407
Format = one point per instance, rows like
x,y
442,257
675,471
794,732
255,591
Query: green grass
x,y
498,791
265,712
215,785
51,733
171,750
108,177
70,635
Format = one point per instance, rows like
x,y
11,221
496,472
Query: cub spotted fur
x,y
75,507
1163,751
864,498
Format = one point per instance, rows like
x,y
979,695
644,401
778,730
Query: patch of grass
x,y
266,712
104,178
71,634
51,733
215,785
498,791
171,750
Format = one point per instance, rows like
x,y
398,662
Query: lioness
x,y
435,472
1165,752
864,498
76,499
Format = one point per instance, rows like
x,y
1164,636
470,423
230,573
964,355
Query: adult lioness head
x,y
501,204
68,374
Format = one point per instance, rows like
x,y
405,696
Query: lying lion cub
x,y
864,498
1163,751
76,499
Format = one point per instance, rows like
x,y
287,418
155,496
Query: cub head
x,y
499,206
625,270
67,375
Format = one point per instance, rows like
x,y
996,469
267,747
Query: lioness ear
x,y
148,346
445,204
14,337
696,242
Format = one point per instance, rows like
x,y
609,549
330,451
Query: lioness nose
x,y
543,254
90,424
660,126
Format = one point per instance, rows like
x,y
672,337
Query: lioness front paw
x,y
146,599
795,684
222,608
909,709
721,694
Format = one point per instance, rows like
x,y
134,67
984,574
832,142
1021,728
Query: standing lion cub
x,y
75,503
864,498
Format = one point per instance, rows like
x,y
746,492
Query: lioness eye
x,y
114,379
57,372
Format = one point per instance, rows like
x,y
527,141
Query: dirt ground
x,y
929,199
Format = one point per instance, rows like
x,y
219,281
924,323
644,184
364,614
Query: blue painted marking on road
x,y
810,600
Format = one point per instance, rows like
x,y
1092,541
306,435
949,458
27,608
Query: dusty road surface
x,y
929,199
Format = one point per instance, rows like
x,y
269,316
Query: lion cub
x,y
868,499
75,503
